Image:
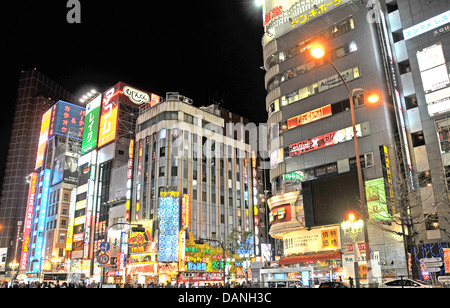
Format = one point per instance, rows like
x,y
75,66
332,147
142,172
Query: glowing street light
x,y
352,228
317,51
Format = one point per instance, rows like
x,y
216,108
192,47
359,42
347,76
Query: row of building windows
x,y
315,88
303,68
330,33
173,115
182,159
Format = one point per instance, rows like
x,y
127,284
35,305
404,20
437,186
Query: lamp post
x,y
352,228
14,265
317,51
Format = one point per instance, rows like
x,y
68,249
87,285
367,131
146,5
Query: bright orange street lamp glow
x,y
351,217
373,98
317,51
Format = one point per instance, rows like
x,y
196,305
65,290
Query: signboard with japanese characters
x,y
314,240
67,119
280,213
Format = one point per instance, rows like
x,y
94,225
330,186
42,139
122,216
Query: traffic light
x,y
138,228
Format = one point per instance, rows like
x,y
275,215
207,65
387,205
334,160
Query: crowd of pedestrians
x,y
39,285
51,285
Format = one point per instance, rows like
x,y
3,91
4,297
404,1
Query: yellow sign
x,y
330,238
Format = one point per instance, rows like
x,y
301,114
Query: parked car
x,y
404,283
333,285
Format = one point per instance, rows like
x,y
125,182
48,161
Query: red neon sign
x,y
28,221
309,116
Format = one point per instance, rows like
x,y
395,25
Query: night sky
x,y
204,49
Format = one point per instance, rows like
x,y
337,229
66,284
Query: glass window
x,y
188,118
356,72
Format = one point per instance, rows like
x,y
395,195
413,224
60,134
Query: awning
x,y
335,255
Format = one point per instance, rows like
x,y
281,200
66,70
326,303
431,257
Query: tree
x,y
406,194
241,242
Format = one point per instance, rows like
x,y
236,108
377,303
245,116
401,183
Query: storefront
x,y
326,266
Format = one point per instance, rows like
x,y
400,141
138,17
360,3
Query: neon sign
x,y
309,116
323,141
168,215
108,119
427,25
280,214
45,124
91,125
42,216
28,221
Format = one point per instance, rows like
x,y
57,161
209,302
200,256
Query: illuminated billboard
x,y
427,25
282,16
108,119
376,199
67,120
90,131
28,221
309,116
45,185
321,239
280,213
435,79
323,141
169,226
43,137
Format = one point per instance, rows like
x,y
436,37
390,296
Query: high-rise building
x,y
313,160
187,169
36,94
418,35
56,173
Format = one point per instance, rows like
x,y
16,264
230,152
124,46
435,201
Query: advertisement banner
x,y
108,119
43,137
90,131
376,199
314,240
168,215
309,116
67,120
280,213
323,141
28,221
447,259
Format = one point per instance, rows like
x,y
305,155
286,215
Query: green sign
x,y
90,131
376,199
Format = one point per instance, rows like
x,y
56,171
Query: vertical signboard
x,y
376,199
168,215
69,237
108,119
45,184
90,131
28,221
43,137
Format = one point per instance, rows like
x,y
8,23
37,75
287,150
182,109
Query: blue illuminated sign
x,y
427,25
67,120
169,228
42,216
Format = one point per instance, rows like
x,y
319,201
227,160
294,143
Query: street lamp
x,y
318,52
352,228
14,265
